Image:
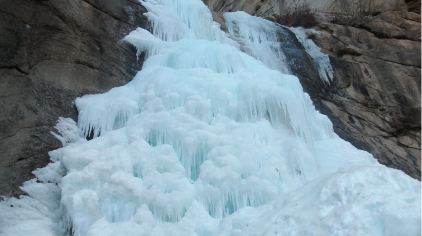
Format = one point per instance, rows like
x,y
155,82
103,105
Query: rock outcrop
x,y
50,53
374,101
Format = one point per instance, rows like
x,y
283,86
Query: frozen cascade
x,y
208,140
321,60
258,37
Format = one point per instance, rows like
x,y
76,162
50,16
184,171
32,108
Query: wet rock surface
x,y
50,53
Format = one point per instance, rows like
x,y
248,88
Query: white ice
x,y
321,60
258,37
208,140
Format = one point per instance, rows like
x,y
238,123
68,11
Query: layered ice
x,y
211,137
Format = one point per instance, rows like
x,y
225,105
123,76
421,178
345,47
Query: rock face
x,y
272,8
414,6
374,101
50,53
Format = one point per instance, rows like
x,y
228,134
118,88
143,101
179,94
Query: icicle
x,y
258,37
321,60
100,114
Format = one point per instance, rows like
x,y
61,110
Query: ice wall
x,y
208,140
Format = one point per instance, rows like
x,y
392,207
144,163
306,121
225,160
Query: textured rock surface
x,y
414,6
51,52
374,101
271,8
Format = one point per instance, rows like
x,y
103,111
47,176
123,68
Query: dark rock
x,y
414,6
50,53
300,63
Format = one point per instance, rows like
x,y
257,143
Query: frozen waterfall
x,y
212,137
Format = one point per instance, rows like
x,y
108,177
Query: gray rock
x,y
50,53
375,100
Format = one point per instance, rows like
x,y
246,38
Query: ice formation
x,y
321,60
258,37
208,140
